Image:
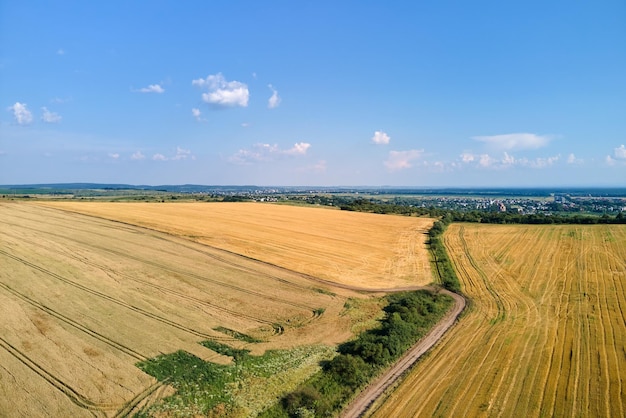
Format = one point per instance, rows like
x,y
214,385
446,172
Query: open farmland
x,y
357,249
546,331
84,299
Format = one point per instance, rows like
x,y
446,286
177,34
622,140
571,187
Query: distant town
x,y
596,201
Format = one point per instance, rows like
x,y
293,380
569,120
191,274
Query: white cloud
x,y
540,162
274,100
197,114
380,138
137,156
183,154
467,157
400,160
299,148
267,152
114,155
571,159
22,115
223,93
609,160
152,88
50,117
620,152
486,161
506,161
520,141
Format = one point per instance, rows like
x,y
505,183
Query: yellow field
x,y
546,332
83,299
357,249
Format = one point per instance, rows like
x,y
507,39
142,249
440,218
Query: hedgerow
x,y
408,317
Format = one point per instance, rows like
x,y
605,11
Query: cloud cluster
x,y
22,115
380,138
222,93
181,154
619,154
511,142
505,161
267,152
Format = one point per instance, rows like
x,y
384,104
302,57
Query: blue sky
x,y
328,93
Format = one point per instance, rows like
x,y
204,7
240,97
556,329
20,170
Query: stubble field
x,y
357,249
84,299
546,331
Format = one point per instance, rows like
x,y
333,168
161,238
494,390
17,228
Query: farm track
x,y
131,406
72,394
110,298
363,401
118,346
179,295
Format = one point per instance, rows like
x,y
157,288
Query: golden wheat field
x,y
545,334
357,249
84,299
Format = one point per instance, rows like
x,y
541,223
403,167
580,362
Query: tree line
x,y
363,205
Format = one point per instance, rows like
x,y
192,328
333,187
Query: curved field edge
x,y
545,332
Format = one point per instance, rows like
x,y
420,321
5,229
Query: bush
x,y
409,315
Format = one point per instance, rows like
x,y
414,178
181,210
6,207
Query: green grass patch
x,y
324,291
244,388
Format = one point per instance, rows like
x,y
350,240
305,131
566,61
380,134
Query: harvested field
x,y
84,299
546,331
356,249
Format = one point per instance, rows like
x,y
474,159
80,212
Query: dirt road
x,y
362,402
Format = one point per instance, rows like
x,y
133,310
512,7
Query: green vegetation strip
x,y
443,266
408,317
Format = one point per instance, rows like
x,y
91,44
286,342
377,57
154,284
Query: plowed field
x,y
545,334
